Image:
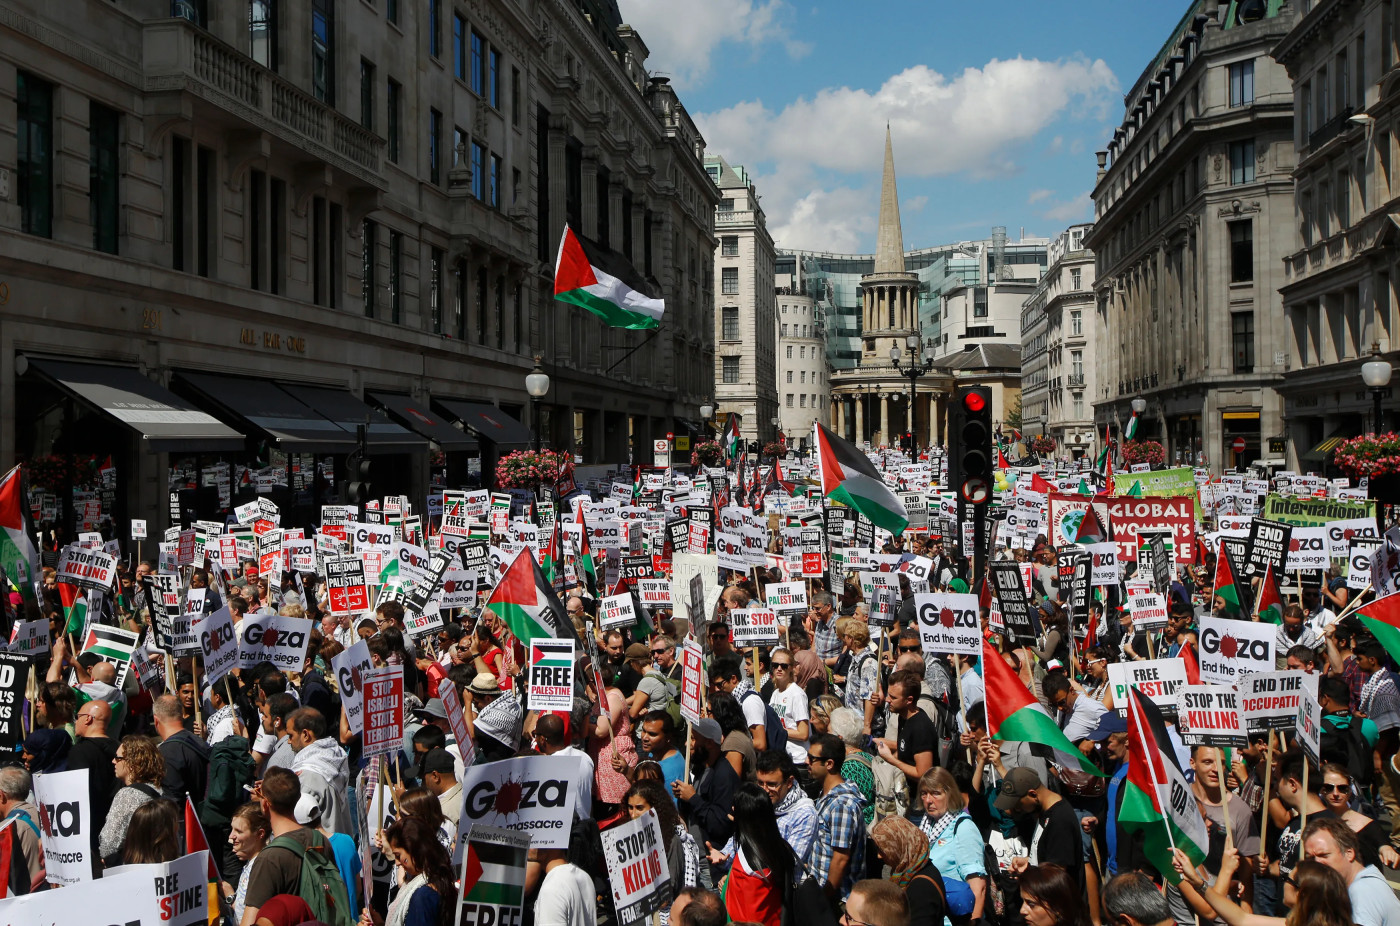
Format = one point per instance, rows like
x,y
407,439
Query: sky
x,y
995,110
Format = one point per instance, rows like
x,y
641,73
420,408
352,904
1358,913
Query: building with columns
x,y
1193,209
233,235
746,345
804,377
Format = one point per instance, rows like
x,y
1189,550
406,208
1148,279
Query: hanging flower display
x,y
1143,451
774,448
707,453
1041,445
530,469
1369,455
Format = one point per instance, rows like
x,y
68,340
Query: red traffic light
x,y
974,401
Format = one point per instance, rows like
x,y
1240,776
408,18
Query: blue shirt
x,y
673,769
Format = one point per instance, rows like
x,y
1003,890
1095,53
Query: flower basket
x,y
1041,445
530,469
774,448
1143,451
1369,455
52,473
707,453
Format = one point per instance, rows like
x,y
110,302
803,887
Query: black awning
x,y
489,423
166,422
421,418
341,406
284,419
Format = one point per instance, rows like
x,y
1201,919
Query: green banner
x,y
1180,480
1315,512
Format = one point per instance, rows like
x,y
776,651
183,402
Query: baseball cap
x,y
439,760
434,708
639,651
1018,782
1109,724
708,728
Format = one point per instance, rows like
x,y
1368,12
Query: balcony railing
x,y
1329,129
180,56
1076,379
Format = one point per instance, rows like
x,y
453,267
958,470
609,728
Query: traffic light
x,y
973,452
357,471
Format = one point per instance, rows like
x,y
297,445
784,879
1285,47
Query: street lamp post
x,y
706,413
1375,373
537,385
913,371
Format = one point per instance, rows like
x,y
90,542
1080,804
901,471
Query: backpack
x,y
673,707
772,726
1342,742
231,766
320,884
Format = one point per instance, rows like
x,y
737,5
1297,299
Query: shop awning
x,y
165,421
1325,447
419,417
282,418
341,406
489,423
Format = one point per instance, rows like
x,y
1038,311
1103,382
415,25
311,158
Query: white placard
x,y
1230,649
754,626
948,623
1158,679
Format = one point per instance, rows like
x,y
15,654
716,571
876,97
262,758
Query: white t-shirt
x,y
566,898
583,802
791,708
753,710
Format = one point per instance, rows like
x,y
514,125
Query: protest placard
x,y
948,624
1158,679
1230,649
14,673
1309,727
637,870
1210,715
276,639
551,675
655,593
1340,534
65,819
111,644
169,893
534,795
138,529
346,588
1270,699
349,667
383,710
617,611
86,568
446,692
754,626
492,888
692,668
218,643
30,638
1268,548
1149,611
1307,549
1011,594
787,598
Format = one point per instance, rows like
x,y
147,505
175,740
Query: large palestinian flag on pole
x,y
527,604
1225,587
605,284
1382,618
730,439
19,556
1015,715
1154,790
1270,604
849,477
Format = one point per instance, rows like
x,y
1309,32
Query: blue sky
x,y
996,109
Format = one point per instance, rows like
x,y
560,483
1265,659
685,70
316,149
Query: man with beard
x,y
796,813
320,765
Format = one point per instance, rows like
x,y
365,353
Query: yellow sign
x,y
682,443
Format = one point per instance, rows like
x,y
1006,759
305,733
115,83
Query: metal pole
x,y
535,412
1376,396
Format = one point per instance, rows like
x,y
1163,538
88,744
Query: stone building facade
x,y
365,198
804,377
1058,347
1192,220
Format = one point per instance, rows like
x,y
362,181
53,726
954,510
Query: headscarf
x,y
903,846
49,749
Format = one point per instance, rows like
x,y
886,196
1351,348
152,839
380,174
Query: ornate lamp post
x,y
913,371
537,385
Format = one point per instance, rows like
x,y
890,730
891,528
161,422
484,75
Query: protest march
x,y
751,691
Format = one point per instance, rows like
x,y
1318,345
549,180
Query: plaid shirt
x,y
1380,699
1355,678
824,641
861,678
840,825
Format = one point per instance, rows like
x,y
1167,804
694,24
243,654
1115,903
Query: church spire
x,y
889,241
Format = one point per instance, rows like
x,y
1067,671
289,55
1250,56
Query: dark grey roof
x,y
987,357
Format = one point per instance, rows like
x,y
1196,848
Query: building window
x,y
395,277
394,104
366,94
1079,405
435,289
323,50
1242,83
34,161
1324,209
434,37
479,171
1076,363
434,146
1076,323
104,137
979,302
1343,204
459,145
1076,278
803,378
730,370
481,286
262,33
515,96
729,247
789,400
478,79
802,400
784,331
726,205
1242,336
459,47
369,233
729,325
789,352
493,78
1242,161
1241,251
729,281
789,376
495,185
391,11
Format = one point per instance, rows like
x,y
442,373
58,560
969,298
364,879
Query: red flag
x,y
1193,668
1001,460
1038,484
194,837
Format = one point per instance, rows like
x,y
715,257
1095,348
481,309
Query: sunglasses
x,y
1334,789
910,649
812,760
781,665
659,651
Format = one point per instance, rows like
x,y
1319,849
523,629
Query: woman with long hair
x,y
761,872
427,895
486,651
955,844
153,834
737,745
682,852
1374,836
1322,898
1049,897
609,783
422,804
903,847
141,769
249,831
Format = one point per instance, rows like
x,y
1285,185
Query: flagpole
x,y
1147,757
1268,775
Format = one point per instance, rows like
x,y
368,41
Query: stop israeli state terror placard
x,y
948,623
1270,699
1230,649
551,675
533,794
1210,715
383,718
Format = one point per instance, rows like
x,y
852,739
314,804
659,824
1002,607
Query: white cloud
x,y
682,37
976,122
1037,195
1071,210
913,204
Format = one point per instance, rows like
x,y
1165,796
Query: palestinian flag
x,y
549,556
493,874
75,607
1225,585
14,870
194,837
1038,484
584,566
1382,618
1193,665
1130,431
19,557
730,439
848,476
636,482
1001,460
110,643
1153,787
527,604
1270,602
1091,529
1015,715
605,284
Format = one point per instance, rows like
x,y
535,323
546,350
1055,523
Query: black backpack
x,y
772,724
1343,743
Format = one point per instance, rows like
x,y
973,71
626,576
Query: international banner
x,y
1210,715
948,623
492,891
1157,679
349,667
533,795
218,644
1270,699
637,871
65,822
551,686
14,672
273,638
1230,649
1315,512
754,627
383,712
